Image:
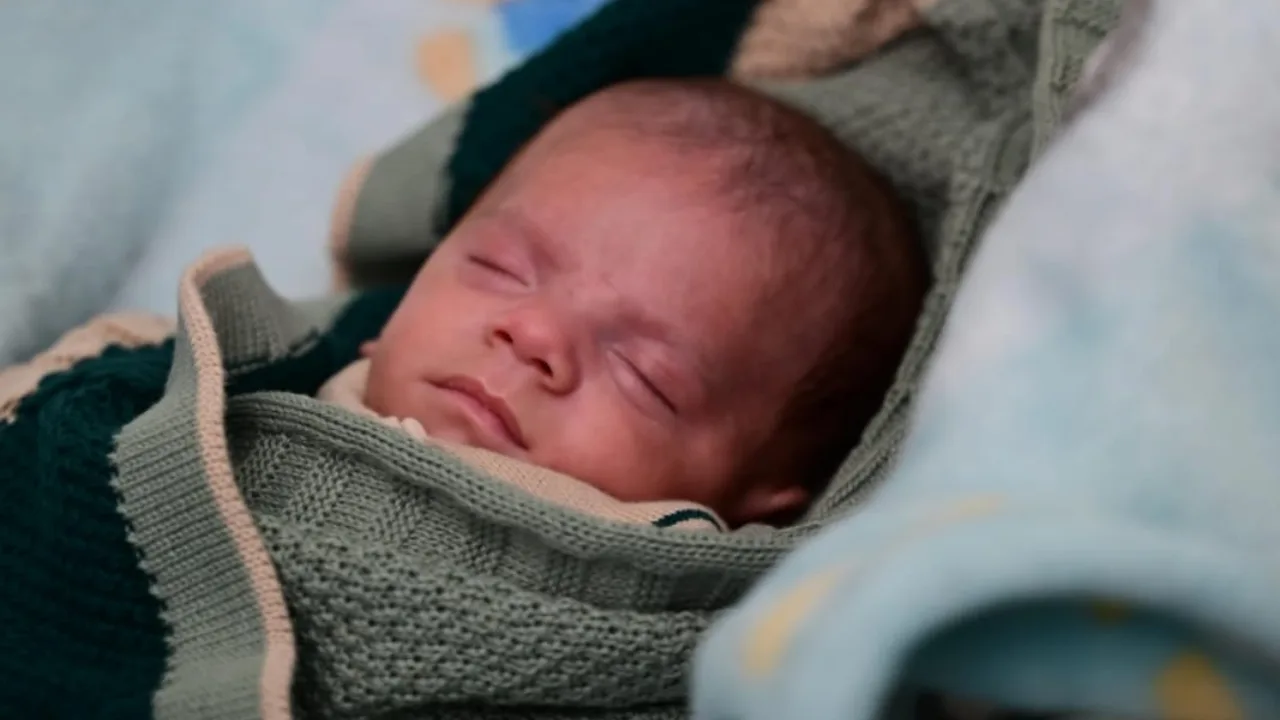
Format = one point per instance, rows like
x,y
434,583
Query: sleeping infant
x,y
678,290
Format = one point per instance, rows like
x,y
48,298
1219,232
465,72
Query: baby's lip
x,y
495,411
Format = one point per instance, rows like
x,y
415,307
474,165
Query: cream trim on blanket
x,y
806,38
89,340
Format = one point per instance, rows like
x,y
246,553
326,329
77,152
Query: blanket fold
x,y
277,556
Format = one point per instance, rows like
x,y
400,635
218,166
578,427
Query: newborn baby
x,y
677,290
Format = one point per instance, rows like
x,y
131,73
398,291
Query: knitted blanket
x,y
186,531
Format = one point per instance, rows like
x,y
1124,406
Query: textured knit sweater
x,y
185,532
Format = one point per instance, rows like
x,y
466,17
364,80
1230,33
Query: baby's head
x,y
677,290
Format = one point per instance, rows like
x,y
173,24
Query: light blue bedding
x,y
134,134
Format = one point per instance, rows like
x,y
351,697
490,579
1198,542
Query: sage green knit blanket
x,y
185,532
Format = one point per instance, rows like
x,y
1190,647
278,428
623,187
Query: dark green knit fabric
x,y
624,40
80,632
325,353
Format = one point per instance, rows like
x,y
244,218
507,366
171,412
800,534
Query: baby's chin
x,y
458,436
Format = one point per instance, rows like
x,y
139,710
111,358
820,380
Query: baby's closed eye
x,y
494,267
638,381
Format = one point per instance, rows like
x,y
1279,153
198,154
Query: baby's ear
x,y
777,504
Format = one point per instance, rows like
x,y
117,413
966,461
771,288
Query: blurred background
x,y
135,134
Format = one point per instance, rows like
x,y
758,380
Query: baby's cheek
x,y
375,391
391,389
612,452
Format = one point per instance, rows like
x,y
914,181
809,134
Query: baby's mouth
x,y
489,413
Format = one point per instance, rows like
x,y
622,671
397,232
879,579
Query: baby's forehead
x,y
669,230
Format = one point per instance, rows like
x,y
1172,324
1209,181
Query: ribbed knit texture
x,y
419,588
476,595
80,632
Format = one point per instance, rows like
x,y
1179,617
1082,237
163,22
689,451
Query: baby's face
x,y
597,314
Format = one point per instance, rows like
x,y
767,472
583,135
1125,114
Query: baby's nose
x,y
540,345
